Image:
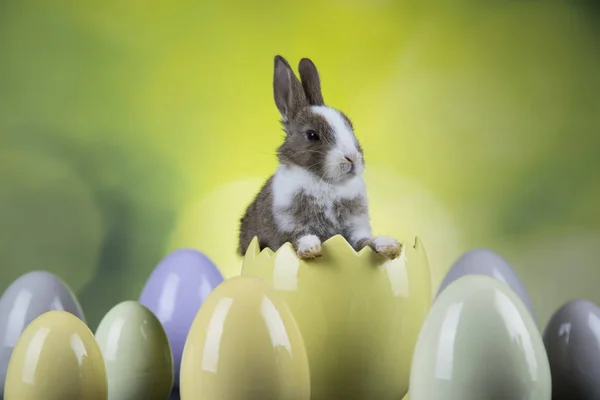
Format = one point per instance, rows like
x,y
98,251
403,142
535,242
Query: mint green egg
x,y
479,342
136,351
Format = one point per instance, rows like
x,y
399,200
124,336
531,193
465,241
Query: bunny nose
x,y
351,162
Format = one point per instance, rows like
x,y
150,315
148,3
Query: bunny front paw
x,y
386,247
309,247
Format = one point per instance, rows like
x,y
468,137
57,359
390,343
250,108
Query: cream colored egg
x,y
56,358
244,345
137,355
479,341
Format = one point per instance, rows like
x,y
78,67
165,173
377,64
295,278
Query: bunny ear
x,y
287,89
311,82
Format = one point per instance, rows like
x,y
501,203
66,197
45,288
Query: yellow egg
x,y
56,358
244,344
359,314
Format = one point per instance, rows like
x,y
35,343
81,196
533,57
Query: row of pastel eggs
x,y
249,348
492,265
141,355
58,357
480,340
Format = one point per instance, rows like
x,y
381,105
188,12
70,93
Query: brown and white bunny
x,y
317,191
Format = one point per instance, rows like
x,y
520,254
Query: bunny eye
x,y
312,135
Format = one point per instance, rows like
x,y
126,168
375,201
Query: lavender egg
x,y
487,262
175,291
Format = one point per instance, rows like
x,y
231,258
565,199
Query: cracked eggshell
x,y
479,342
244,344
358,313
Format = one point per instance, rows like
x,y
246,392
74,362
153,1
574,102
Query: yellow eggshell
x,y
56,358
359,314
244,345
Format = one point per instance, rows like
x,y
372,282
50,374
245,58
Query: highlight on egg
x,y
244,344
28,297
56,358
136,352
479,341
359,314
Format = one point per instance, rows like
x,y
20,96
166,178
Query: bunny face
x,y
319,139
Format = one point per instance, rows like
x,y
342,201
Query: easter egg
x,y
359,314
245,345
479,341
572,339
175,291
25,299
487,262
136,352
56,358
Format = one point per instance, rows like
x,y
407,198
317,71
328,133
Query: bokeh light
x,y
211,224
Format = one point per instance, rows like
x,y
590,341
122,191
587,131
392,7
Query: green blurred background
x,y
128,129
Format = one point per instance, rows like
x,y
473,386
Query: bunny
x,y
317,191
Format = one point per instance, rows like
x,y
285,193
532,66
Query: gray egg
x,y
572,340
487,262
27,298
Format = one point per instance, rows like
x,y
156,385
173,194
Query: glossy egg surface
x,y
479,341
572,340
244,345
56,358
136,352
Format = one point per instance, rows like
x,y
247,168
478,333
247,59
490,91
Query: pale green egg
x,y
479,342
136,351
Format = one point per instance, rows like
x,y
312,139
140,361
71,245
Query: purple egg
x,y
175,291
487,262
